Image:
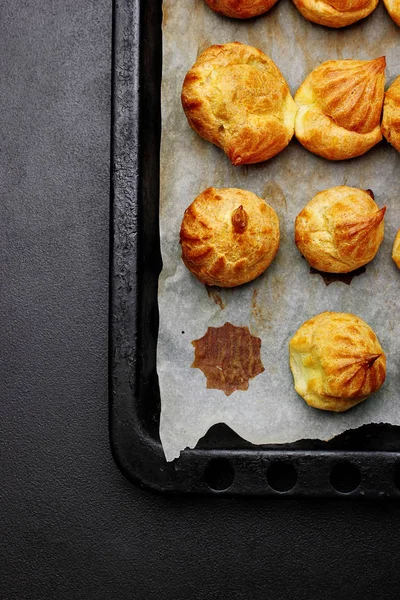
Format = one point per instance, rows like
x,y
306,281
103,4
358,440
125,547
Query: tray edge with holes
x,y
223,463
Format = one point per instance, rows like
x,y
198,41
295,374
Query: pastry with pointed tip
x,y
335,13
235,97
336,361
340,229
340,106
393,8
391,114
396,250
241,9
229,236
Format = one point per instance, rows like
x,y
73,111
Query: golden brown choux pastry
x,y
391,114
235,97
393,8
335,13
340,105
340,229
336,361
241,9
396,249
228,236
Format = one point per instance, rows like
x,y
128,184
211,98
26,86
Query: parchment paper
x,y
277,303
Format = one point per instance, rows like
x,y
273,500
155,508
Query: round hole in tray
x,y
219,474
281,476
345,477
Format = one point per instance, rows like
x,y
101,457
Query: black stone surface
x,y
71,526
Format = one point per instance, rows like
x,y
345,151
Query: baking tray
x,y
363,462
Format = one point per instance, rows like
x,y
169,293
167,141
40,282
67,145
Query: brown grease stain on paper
x,y
266,303
165,14
274,196
214,295
259,320
229,357
255,309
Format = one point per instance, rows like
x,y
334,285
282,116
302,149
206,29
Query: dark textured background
x,y
70,525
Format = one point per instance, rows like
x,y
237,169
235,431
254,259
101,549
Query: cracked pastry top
x,y
335,13
340,229
393,8
235,97
336,361
340,106
229,236
391,114
241,9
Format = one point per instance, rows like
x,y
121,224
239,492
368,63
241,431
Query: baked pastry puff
x,y
391,114
228,236
340,106
340,229
393,8
396,249
335,13
336,361
241,9
235,97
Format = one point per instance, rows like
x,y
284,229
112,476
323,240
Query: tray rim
x,y
139,455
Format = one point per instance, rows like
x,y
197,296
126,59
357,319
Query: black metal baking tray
x,y
363,462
